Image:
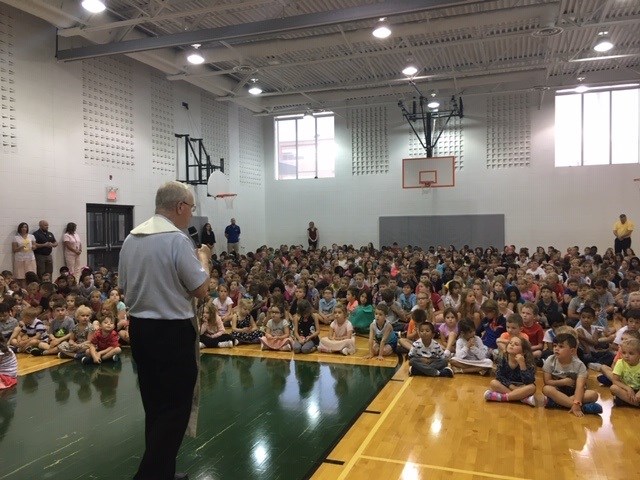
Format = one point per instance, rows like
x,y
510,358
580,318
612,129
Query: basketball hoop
x,y
228,198
426,186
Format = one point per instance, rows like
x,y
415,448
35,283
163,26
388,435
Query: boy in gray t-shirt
x,y
59,330
565,378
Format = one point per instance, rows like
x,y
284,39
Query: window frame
x,y
609,90
297,141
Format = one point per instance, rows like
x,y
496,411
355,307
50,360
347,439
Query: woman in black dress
x,y
207,237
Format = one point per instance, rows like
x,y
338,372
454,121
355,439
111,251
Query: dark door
x,y
107,227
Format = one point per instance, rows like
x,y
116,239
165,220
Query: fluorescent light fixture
x,y
603,44
93,6
382,30
410,70
581,89
604,57
600,87
433,104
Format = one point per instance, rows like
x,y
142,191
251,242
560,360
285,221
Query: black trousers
x,y
44,264
164,352
620,246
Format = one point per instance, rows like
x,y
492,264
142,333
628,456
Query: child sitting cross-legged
x,y
471,353
277,335
341,337
426,356
104,343
565,378
626,374
515,374
81,335
59,330
31,332
212,332
383,340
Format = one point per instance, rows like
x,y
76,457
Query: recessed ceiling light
x,y
93,6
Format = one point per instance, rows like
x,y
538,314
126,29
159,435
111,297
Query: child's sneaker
x,y
592,408
86,360
619,402
604,380
202,345
116,358
235,342
13,348
446,372
530,400
61,355
36,352
549,403
286,348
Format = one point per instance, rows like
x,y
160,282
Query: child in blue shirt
x,y
407,298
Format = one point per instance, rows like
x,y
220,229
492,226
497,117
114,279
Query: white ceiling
x,y
461,48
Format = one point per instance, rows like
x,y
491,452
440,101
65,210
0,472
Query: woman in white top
x,y
72,250
24,259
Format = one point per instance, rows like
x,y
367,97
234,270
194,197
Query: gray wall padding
x,y
457,230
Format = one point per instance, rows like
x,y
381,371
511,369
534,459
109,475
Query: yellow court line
x,y
373,431
446,469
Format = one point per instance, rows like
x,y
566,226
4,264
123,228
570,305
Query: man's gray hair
x,y
170,194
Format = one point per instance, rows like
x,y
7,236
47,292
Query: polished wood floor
x,y
429,428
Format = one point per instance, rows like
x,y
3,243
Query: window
x,y
305,146
597,128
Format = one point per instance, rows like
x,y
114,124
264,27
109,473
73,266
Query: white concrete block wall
x,y
46,177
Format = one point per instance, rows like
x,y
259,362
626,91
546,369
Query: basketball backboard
x,y
435,171
218,183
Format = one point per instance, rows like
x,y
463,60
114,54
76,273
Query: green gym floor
x,y
259,418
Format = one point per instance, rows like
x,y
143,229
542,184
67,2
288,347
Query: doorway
x,y
107,227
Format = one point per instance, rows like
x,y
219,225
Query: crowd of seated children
x,y
483,305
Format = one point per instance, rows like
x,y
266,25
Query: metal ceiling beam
x,y
279,25
138,20
433,27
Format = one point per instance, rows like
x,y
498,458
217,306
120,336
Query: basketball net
x,y
426,187
228,199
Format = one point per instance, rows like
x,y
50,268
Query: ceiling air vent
x,y
547,32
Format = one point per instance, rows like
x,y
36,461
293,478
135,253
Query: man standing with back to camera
x,y
160,274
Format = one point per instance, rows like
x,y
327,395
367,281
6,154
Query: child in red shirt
x,y
532,328
104,344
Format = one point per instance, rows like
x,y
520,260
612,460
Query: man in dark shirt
x,y
45,243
